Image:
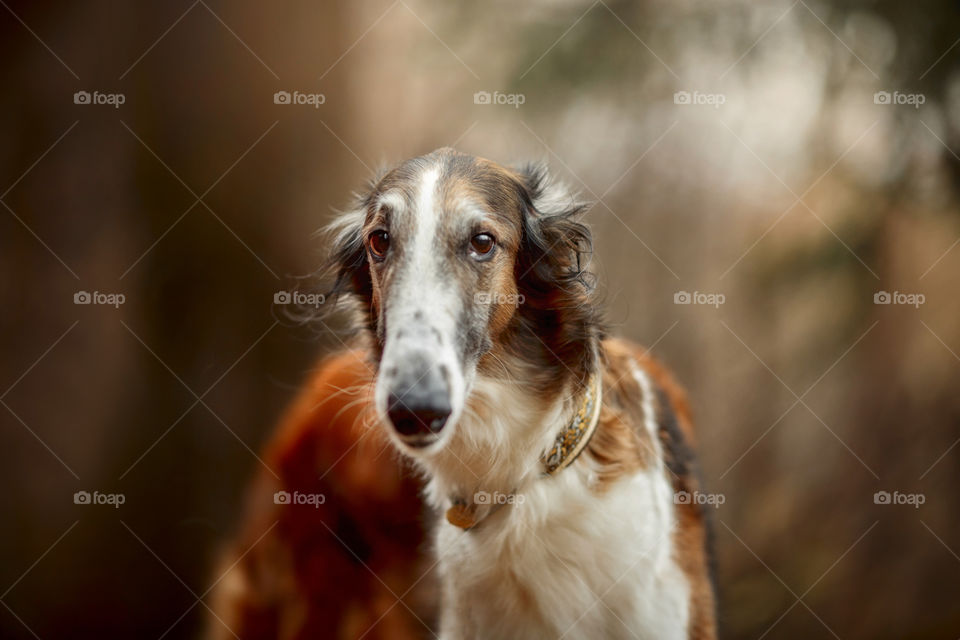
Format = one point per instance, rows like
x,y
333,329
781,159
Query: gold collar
x,y
570,443
572,440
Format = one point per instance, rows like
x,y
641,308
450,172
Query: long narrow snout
x,y
422,378
418,385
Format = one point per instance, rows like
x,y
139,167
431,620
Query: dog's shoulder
x,y
625,359
645,418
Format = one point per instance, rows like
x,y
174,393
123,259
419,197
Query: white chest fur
x,y
567,563
561,561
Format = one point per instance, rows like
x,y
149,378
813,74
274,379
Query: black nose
x,y
424,416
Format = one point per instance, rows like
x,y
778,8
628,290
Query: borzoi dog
x,y
560,458
558,461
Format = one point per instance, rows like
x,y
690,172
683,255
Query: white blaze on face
x,y
422,252
421,302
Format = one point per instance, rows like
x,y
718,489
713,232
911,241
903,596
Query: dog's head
x,y
459,266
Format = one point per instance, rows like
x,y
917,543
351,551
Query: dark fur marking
x,y
677,453
681,461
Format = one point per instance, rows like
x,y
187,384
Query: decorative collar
x,y
570,443
574,438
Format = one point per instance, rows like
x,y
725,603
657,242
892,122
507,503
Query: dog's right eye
x,y
481,245
379,244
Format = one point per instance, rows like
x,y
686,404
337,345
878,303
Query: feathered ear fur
x,y
345,272
557,248
552,271
346,263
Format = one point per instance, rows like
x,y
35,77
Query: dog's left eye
x,y
379,244
482,244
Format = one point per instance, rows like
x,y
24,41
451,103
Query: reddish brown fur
x,y
620,445
300,581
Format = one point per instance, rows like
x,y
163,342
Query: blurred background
x,y
787,168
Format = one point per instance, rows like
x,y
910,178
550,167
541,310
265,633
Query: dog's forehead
x,y
449,187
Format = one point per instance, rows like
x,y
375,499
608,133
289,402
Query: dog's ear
x,y
346,265
553,274
554,257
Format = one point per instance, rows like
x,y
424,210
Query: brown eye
x,y
482,244
379,244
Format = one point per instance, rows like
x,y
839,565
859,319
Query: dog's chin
x,y
422,445
419,445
